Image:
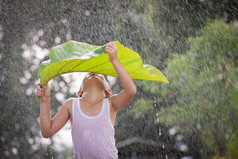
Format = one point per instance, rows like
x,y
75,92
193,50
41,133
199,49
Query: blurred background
x,y
193,42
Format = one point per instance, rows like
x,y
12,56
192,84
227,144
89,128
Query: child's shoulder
x,y
69,101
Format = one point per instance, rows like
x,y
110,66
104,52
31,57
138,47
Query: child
x,y
92,115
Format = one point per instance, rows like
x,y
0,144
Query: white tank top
x,y
93,136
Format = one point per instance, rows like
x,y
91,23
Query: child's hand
x,y
111,49
43,93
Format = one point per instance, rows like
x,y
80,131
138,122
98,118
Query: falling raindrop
x,y
23,80
35,38
68,36
40,33
24,46
87,13
57,40
14,150
3,139
183,147
42,43
64,21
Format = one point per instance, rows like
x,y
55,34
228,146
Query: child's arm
x,y
129,89
51,126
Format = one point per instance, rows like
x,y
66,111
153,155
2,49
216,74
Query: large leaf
x,y
75,56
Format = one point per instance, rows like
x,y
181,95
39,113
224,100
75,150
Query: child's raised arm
x,y
129,89
51,126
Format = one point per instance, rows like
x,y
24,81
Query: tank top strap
x,y
108,109
75,111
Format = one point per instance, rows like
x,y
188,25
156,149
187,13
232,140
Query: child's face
x,y
93,80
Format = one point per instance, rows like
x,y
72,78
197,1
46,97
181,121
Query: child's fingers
x,y
39,89
39,95
108,49
108,46
111,45
46,86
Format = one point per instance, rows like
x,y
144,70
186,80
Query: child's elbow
x,y
133,91
46,134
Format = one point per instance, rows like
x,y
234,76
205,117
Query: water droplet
x,y
14,150
3,139
23,80
57,40
183,147
40,33
68,36
35,38
42,43
27,74
24,46
29,91
31,141
64,21
87,13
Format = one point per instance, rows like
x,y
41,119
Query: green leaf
x,y
75,56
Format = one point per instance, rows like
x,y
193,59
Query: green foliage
x,y
141,107
202,87
232,146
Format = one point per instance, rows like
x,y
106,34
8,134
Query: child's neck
x,y
93,96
